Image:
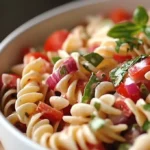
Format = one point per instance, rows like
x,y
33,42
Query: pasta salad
x,y
87,88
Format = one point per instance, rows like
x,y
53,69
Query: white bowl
x,y
33,33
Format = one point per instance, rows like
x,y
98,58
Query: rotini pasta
x,y
85,89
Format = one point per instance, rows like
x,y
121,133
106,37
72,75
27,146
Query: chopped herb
x,y
144,90
90,88
97,123
93,116
55,59
117,74
124,146
94,58
97,106
146,125
26,114
63,71
133,43
147,31
147,107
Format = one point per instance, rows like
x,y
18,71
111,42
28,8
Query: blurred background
x,y
13,13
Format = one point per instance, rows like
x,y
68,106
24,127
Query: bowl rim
x,y
27,25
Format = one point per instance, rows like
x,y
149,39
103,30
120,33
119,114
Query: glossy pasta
x,y
85,89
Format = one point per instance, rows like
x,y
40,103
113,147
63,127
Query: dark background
x,y
13,13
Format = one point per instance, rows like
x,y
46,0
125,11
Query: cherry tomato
x,y
49,113
56,40
10,80
120,104
121,58
119,15
138,70
95,147
34,55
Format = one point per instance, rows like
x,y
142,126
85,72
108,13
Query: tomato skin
x,y
119,15
34,55
120,104
121,58
55,41
138,70
49,113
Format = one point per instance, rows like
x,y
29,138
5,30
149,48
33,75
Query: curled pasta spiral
x,y
80,114
8,101
74,137
138,110
39,130
69,90
30,92
105,102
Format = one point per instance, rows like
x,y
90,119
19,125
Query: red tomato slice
x,y
35,55
10,80
56,40
95,147
119,15
138,70
121,58
120,104
49,113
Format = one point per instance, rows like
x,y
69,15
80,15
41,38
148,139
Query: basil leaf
x,y
124,146
147,107
147,31
94,58
97,106
144,90
55,59
117,74
97,123
146,125
90,88
123,30
140,16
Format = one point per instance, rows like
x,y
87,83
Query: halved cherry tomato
x,y
34,55
129,89
138,70
95,147
120,104
49,113
10,80
119,15
121,58
56,40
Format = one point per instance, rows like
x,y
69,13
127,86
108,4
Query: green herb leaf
x,y
117,74
123,30
55,59
140,16
97,106
90,88
94,58
133,42
124,146
144,90
147,31
97,123
147,107
63,71
146,125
